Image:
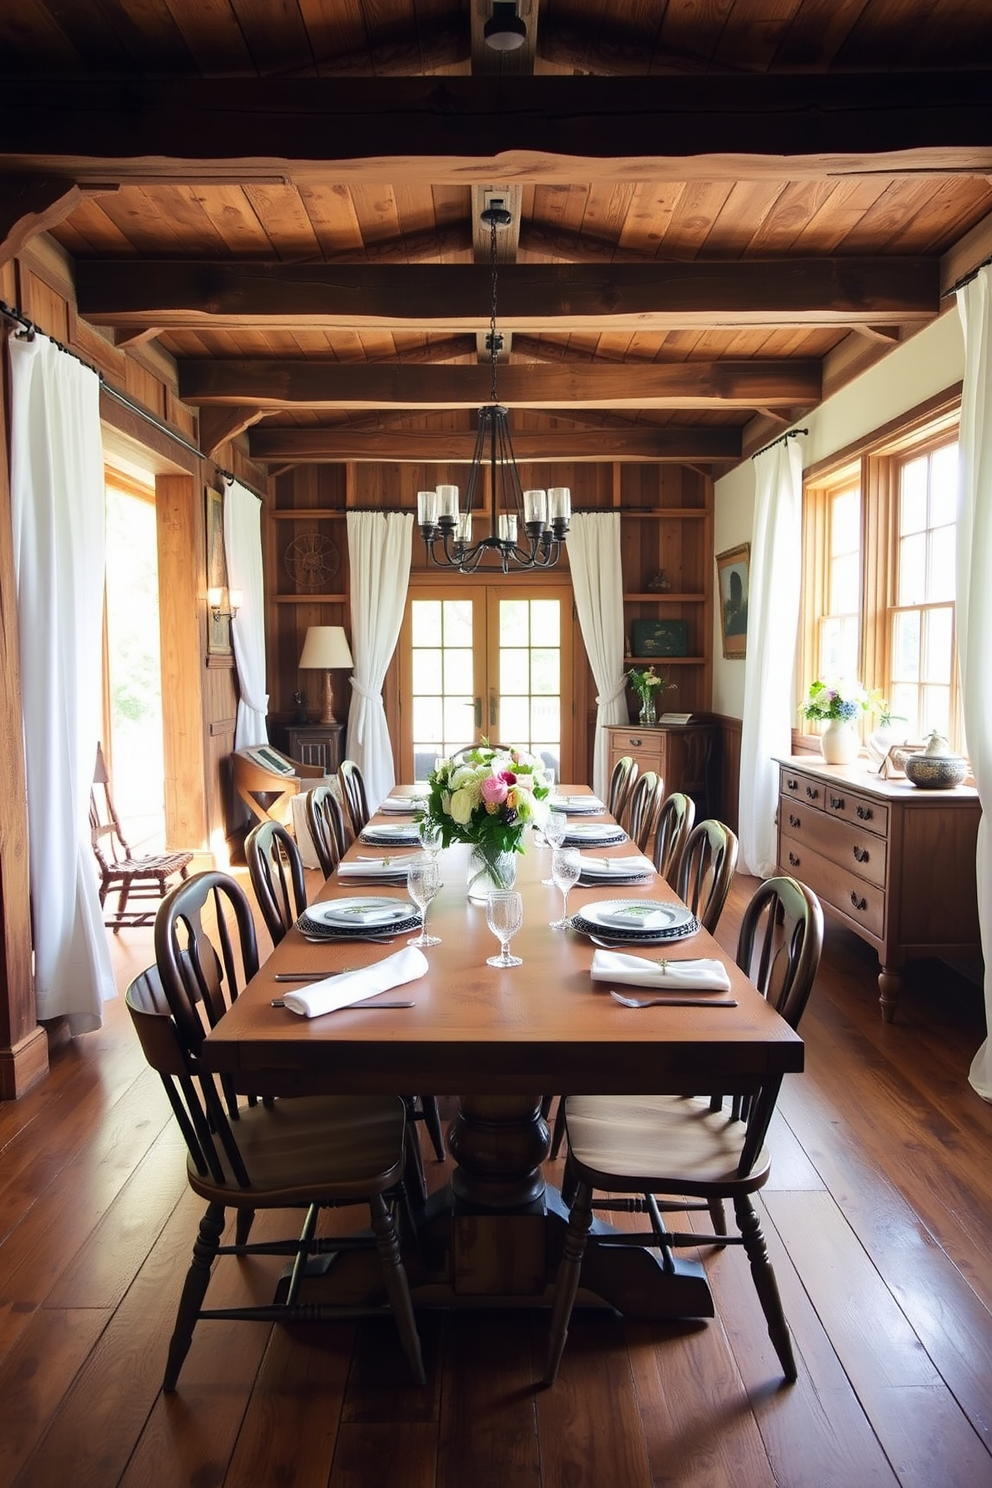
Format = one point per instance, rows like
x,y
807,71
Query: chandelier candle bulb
x,y
507,529
463,532
447,505
427,508
536,510
560,505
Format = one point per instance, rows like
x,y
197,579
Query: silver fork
x,y
668,1001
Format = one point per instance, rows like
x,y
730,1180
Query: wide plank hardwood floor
x,y
878,1217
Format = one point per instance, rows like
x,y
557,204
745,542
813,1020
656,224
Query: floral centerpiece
x,y
486,797
649,687
838,704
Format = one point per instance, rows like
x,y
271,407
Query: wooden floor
x,y
878,1216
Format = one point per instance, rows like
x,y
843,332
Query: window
x,y
879,574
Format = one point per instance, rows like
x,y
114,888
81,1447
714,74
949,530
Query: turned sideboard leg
x,y
889,986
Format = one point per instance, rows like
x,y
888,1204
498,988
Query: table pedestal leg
x,y
499,1143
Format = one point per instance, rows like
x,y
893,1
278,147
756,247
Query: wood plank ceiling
x,y
721,211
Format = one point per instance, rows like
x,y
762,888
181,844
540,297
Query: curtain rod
x,y
789,434
30,330
968,278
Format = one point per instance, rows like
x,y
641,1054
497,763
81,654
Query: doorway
x,y
486,661
132,691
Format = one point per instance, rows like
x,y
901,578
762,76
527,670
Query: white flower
x,y
461,807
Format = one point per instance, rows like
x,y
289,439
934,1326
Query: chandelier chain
x,y
493,343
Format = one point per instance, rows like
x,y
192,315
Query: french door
x,y
486,661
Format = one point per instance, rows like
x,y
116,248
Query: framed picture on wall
x,y
218,631
732,571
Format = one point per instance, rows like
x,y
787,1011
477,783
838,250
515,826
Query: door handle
x,y
493,709
478,712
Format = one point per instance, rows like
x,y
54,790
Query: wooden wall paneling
x,y
42,304
179,503
730,770
23,1043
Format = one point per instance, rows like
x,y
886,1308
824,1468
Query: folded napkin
x,y
624,867
568,804
402,805
375,867
341,991
700,974
361,914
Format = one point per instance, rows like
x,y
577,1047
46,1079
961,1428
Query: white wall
x,y
916,370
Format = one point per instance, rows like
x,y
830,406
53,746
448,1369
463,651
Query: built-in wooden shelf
x,y
297,599
307,513
666,596
664,661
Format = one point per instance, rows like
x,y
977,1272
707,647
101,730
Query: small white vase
x,y
839,742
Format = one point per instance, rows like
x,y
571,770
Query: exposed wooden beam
x,y
219,424
532,297
269,384
308,446
30,205
575,247
529,129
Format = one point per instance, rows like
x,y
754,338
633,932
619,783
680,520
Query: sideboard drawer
x,y
851,847
647,747
802,788
873,816
853,897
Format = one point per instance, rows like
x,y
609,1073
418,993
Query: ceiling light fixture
x,y
542,515
504,31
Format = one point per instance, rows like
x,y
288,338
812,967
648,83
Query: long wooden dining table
x,y
501,1039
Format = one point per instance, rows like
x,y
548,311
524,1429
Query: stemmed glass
x,y
504,916
566,865
554,830
423,879
429,832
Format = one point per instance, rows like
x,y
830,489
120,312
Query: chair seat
x,y
620,1142
312,1149
153,863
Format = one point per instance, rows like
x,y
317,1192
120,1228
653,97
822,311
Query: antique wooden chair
x,y
355,797
674,825
692,1151
643,806
276,872
307,1153
621,784
144,878
328,832
706,871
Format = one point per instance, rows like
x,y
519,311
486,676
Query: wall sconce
x,y
325,647
215,599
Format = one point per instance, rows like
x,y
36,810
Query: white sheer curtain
x,y
772,622
597,583
379,551
243,555
974,603
58,519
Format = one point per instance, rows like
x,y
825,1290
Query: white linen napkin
x,y
389,867
577,804
402,805
625,867
341,991
701,975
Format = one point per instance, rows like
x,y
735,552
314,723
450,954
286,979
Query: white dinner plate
x,y
391,834
365,911
576,805
636,919
593,834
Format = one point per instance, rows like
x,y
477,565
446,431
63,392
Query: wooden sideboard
x,y
682,754
893,863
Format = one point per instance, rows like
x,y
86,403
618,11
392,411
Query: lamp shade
x,y
325,646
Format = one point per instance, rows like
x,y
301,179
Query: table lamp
x,y
325,647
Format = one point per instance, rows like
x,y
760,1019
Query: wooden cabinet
x,y
893,863
317,744
681,754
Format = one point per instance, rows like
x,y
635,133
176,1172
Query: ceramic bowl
x,y
936,771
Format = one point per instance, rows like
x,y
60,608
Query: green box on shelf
x,y
659,638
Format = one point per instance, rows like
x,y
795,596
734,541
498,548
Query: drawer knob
x,y
865,813
635,743
793,860
859,903
860,854
837,803
812,792
794,821
792,784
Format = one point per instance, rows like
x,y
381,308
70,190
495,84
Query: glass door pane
x,y
444,688
529,660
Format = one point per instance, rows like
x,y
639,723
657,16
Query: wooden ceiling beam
x,y
270,384
30,205
309,446
529,129
532,297
218,425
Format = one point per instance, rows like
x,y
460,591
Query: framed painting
x,y
732,572
218,630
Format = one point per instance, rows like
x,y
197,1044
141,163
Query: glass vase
x,y
648,715
488,871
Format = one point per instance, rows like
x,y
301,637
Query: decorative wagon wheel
x,y
312,561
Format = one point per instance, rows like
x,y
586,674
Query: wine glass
x,y
554,830
504,916
566,865
423,879
429,832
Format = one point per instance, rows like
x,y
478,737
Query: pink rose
x,y
494,790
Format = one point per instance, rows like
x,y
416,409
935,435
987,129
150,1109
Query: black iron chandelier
x,y
528,527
